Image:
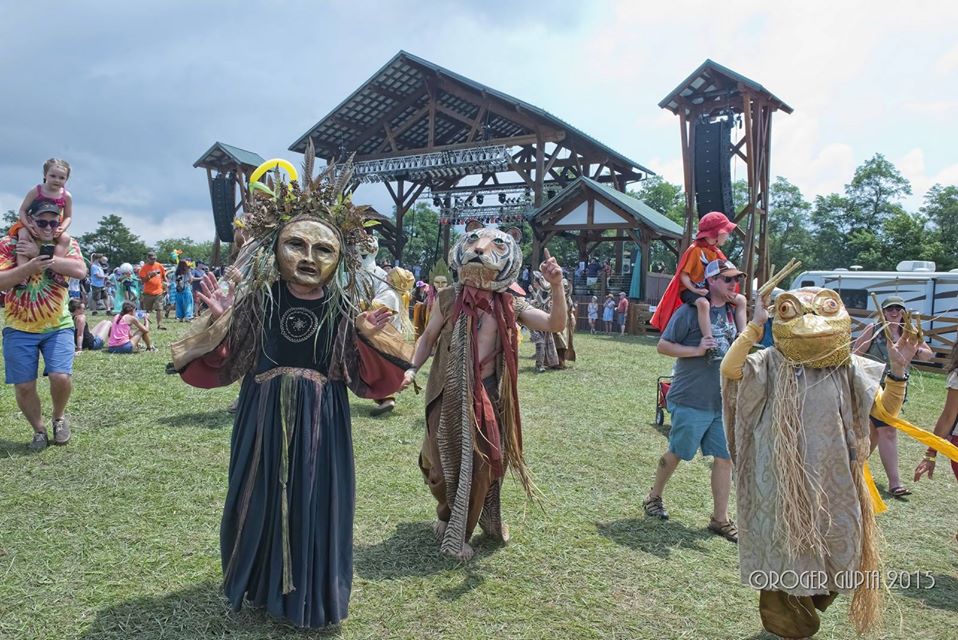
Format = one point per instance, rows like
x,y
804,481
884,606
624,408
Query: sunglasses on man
x,y
43,224
730,279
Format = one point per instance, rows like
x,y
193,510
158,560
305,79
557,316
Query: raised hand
x,y
902,352
214,297
370,321
551,270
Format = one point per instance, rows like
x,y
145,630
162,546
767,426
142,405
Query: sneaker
x,y
39,442
653,507
61,431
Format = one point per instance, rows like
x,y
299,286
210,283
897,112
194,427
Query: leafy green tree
x,y
941,209
421,227
191,249
115,240
832,218
875,191
788,222
905,234
663,196
10,217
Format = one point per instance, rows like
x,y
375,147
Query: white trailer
x,y
932,293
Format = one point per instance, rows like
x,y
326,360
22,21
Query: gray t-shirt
x,y
696,381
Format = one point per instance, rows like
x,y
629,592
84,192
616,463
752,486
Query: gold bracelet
x,y
930,458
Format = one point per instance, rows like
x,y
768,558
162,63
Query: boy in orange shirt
x,y
688,285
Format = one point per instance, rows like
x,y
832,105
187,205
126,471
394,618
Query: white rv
x,y
929,292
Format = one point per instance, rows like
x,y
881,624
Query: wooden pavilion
x,y
414,125
587,210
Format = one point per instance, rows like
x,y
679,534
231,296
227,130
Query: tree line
x,y
114,239
865,225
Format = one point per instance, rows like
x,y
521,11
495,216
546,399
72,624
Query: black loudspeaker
x,y
713,167
222,193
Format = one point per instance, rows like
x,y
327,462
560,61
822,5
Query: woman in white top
x,y
593,313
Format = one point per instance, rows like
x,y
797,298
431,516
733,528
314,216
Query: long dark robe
x,y
286,534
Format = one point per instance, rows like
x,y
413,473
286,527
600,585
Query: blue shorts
x,y
693,428
620,317
21,353
126,347
97,343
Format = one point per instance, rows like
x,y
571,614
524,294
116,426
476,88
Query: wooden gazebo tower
x,y
711,102
232,167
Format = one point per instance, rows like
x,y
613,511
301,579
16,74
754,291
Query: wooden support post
x,y
540,169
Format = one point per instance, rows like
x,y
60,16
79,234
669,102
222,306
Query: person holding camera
x,y
38,320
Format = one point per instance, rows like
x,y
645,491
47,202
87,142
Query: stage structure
x,y
711,103
427,132
589,209
233,167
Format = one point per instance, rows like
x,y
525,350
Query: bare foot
x,y
505,534
466,554
439,529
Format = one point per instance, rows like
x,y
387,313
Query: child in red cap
x,y
688,284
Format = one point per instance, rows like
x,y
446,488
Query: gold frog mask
x,y
811,327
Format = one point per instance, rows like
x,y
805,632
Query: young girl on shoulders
x,y
52,189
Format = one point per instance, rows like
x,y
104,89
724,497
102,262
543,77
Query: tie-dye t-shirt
x,y
41,306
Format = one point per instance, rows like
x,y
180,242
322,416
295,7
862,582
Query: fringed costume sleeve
x,y
199,356
377,361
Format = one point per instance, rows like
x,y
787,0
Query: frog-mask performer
x,y
796,419
473,425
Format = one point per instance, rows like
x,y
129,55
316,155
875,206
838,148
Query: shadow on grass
x,y
943,595
197,612
663,428
15,449
412,550
213,419
653,536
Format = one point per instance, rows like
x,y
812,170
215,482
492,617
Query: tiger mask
x,y
486,257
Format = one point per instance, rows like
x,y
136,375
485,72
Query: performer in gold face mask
x,y
289,325
307,254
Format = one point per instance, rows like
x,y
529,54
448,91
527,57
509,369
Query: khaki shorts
x,y
152,302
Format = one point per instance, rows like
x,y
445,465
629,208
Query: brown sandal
x,y
725,529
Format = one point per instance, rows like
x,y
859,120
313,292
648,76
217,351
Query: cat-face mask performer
x,y
473,426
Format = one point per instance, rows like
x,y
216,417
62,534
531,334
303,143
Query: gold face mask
x,y
307,252
439,282
811,327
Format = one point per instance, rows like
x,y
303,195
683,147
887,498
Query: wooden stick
x,y
881,318
776,278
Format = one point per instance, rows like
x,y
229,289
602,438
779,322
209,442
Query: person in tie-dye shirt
x,y
38,321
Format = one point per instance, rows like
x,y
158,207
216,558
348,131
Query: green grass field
x,y
116,535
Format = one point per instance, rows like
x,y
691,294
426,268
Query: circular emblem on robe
x,y
297,324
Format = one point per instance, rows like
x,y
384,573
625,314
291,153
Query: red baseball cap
x,y
714,223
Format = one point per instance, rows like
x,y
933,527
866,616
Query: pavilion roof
x,y
398,91
578,191
224,156
712,80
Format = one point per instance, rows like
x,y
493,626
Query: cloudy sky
x,y
132,93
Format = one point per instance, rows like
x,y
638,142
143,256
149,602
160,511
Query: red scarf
x,y
470,302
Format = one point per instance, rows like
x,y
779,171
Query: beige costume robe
x,y
835,404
